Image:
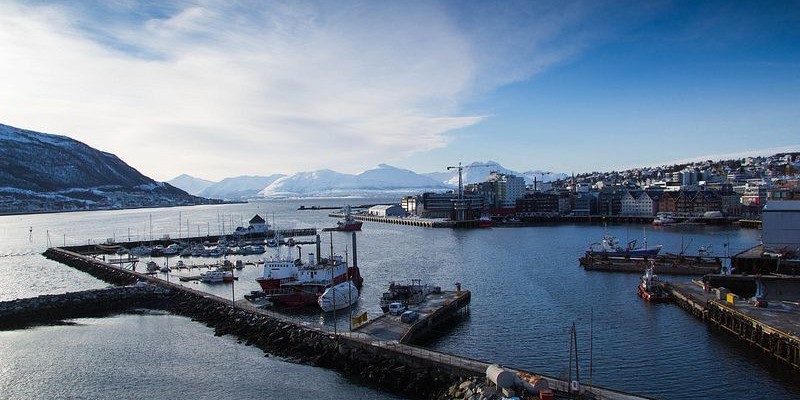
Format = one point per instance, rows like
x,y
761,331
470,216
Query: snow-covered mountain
x,y
44,172
240,187
190,184
382,180
478,171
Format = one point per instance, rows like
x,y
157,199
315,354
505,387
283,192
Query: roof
x,y
382,207
257,220
782,205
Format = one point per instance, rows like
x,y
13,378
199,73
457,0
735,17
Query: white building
x,y
639,202
386,211
781,225
510,188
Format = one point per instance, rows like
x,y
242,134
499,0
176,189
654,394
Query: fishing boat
x,y
348,225
405,294
650,288
609,246
485,221
338,297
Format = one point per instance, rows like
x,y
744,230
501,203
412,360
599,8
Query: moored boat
x,y
152,266
216,276
293,283
407,295
650,288
664,219
338,297
348,225
609,246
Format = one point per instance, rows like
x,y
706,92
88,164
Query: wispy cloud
x,y
219,89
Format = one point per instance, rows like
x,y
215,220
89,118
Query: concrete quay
x,y
389,364
775,329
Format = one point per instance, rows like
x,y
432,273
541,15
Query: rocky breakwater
x,y
55,307
353,355
96,268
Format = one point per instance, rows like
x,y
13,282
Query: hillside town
x,y
724,189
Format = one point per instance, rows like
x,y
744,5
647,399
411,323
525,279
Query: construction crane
x,y
460,205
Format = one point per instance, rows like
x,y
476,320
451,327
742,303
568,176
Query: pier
x,y
387,361
666,264
775,329
413,221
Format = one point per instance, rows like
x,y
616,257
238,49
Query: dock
x,y
775,329
413,221
385,359
435,310
756,261
666,264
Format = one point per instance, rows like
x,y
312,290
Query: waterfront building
x,y
508,188
780,220
391,210
537,204
440,205
640,202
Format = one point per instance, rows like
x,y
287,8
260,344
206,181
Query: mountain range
x,y
44,172
380,181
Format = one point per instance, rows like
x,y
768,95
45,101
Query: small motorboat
x,y
338,297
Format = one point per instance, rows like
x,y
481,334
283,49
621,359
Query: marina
x,y
375,337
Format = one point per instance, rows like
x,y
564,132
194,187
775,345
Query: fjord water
x,y
527,289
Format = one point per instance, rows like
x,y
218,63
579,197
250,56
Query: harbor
x,y
499,328
366,350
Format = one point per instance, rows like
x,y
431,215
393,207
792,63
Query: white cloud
x,y
218,90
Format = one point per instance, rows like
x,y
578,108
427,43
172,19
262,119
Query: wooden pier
x,y
375,357
775,329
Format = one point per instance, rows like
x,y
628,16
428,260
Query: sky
x,y
217,88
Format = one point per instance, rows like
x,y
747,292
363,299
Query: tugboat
x,y
650,288
348,225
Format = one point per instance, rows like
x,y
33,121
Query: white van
x,y
396,308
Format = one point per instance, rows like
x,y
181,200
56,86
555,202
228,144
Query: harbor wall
x,y
388,366
46,308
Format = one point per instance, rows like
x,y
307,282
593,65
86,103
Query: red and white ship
x,y
650,288
348,225
293,283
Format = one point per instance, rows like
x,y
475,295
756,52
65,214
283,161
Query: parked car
x,y
409,316
396,308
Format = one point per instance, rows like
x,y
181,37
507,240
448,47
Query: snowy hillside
x,y
190,184
327,183
239,187
478,171
43,172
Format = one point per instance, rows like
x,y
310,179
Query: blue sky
x,y
217,89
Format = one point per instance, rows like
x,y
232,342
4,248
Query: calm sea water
x,y
527,289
